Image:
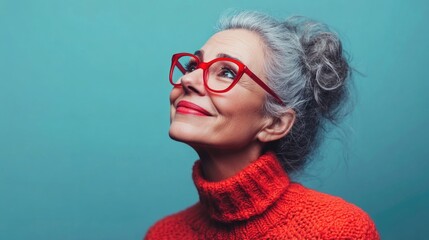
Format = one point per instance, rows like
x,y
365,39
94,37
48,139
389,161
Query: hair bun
x,y
325,64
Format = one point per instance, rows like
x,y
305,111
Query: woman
x,y
252,102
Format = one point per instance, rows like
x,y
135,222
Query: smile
x,y
185,107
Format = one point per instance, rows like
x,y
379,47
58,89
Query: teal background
x,y
84,114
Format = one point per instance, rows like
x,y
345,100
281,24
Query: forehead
x,y
242,44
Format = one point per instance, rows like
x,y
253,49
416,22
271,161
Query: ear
x,y
277,127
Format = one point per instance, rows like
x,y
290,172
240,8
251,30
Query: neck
x,y
220,164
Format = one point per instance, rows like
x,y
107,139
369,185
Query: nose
x,y
193,82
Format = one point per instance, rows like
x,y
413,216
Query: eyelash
x,y
190,66
229,70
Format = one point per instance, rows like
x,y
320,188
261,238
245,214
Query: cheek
x,y
242,114
239,104
174,94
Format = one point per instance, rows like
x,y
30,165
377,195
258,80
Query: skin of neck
x,y
220,164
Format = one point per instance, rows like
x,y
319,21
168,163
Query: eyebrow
x,y
200,53
224,55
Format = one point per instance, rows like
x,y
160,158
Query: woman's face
x,y
231,120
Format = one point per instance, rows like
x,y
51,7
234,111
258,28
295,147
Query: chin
x,y
184,132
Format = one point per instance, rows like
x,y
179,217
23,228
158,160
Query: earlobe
x,y
277,127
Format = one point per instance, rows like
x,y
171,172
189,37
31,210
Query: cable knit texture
x,y
260,202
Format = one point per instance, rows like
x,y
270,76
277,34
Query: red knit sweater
x,y
260,202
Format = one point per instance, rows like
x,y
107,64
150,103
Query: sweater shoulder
x,y
172,226
320,202
329,217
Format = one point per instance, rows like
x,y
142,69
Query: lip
x,y
186,107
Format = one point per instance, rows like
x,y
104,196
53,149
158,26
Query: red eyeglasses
x,y
220,74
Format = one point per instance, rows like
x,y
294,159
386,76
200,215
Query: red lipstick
x,y
186,107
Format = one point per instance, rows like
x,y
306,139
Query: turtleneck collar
x,y
248,193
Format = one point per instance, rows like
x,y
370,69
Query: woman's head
x,y
299,59
233,120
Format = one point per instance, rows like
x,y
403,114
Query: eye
x,y
226,72
190,66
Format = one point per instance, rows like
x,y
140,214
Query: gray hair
x,y
306,67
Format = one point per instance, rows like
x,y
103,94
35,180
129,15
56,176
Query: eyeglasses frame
x,y
242,69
